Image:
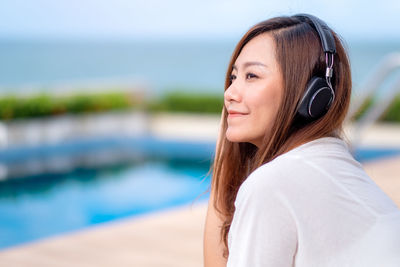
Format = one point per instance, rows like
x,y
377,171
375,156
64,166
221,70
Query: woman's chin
x,y
234,137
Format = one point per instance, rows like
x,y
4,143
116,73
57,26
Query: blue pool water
x,y
36,207
368,154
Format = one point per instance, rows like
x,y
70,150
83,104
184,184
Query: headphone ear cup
x,y
316,99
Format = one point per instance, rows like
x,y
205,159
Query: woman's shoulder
x,y
276,172
297,166
272,177
325,150
323,146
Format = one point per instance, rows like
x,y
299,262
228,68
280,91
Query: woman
x,y
285,190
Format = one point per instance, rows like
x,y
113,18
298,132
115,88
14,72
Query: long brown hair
x,y
300,56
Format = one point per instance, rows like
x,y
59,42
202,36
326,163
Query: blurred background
x,y
110,109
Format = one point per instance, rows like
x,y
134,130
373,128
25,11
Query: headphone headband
x,y
325,34
319,93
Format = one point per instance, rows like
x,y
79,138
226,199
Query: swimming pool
x,y
39,206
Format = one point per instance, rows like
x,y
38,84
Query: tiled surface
x,y
386,174
172,238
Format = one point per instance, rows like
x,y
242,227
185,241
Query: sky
x,y
206,19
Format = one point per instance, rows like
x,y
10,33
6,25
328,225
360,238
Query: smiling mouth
x,y
236,114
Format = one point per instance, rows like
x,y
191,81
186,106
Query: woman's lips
x,y
232,115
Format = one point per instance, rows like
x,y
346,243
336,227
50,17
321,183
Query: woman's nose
x,y
232,94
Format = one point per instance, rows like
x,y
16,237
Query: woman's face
x,y
255,93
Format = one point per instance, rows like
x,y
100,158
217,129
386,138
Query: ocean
x,y
159,65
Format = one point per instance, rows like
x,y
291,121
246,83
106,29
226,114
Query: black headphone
x,y
319,93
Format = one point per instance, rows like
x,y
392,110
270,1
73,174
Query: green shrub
x,y
176,101
98,102
364,107
8,105
393,112
12,107
37,106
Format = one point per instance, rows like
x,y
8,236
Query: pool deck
x,y
171,237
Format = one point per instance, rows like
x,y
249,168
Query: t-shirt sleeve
x,y
263,231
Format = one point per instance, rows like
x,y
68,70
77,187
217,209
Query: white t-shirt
x,y
314,206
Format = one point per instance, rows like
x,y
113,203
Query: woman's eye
x,y
232,77
250,75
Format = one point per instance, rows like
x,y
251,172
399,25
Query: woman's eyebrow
x,y
250,63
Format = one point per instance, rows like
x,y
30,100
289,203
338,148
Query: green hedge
x,y
392,114
178,101
12,107
366,105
